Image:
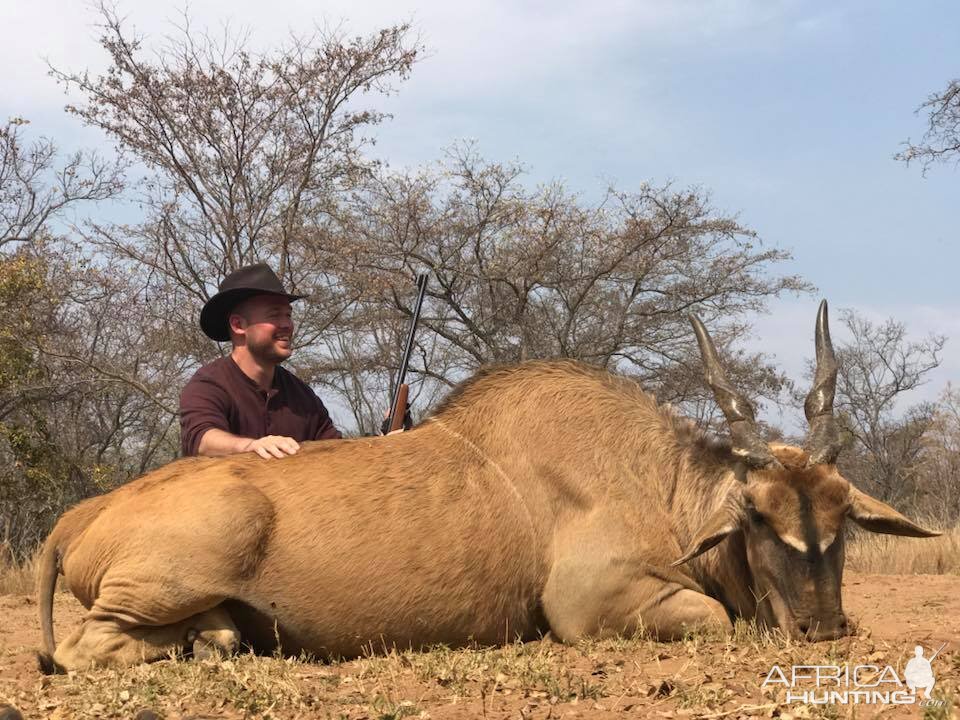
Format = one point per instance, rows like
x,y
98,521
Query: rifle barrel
x,y
408,350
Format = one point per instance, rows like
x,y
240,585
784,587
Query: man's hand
x,y
272,446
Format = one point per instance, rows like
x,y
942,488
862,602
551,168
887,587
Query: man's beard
x,y
267,351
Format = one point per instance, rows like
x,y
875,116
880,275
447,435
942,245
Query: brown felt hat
x,y
239,285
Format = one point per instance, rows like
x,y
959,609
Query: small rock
x,y
664,689
146,714
124,695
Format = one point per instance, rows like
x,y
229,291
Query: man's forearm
x,y
215,443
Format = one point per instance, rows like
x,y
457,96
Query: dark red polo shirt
x,y
221,396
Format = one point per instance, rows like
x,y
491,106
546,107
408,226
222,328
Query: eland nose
x,y
816,629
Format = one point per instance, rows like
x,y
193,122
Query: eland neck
x,y
695,487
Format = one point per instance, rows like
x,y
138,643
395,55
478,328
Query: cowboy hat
x,y
239,285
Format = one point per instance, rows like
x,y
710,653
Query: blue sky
x,y
787,112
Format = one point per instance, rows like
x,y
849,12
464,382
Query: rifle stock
x,y
396,422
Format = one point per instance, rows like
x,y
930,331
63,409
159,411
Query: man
x,y
247,402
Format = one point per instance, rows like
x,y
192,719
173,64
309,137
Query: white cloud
x,y
498,47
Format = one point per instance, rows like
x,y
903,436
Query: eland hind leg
x,y
144,611
104,640
164,582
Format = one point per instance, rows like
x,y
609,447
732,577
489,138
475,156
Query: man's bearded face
x,y
267,327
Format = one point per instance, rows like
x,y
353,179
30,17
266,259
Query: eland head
x,y
791,503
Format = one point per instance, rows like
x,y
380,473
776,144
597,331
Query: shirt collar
x,y
237,370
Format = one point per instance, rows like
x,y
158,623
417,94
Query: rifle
x,y
398,404
937,652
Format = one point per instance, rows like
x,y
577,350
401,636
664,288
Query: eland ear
x,y
876,516
724,522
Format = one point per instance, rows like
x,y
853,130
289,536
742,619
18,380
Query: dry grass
x,y
17,578
387,687
702,676
892,555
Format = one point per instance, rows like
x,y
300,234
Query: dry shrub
x,y
892,555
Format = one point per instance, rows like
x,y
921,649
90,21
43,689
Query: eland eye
x,y
756,517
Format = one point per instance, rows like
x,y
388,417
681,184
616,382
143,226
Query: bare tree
x,y
940,467
36,186
519,274
941,140
878,366
242,152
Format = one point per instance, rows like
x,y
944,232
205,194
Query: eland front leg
x,y
601,585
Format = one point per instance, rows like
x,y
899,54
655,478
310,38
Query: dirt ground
x,y
700,677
